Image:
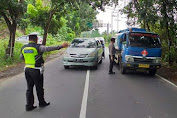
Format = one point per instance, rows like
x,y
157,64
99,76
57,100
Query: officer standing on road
x,y
111,55
32,53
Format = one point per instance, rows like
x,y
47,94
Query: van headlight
x,y
157,60
129,58
66,54
92,54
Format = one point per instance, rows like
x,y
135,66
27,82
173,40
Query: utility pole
x,y
112,15
117,21
112,22
107,28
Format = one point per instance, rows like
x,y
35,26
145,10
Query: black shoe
x,y
31,108
44,104
111,72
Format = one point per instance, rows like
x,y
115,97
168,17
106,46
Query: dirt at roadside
x,y
19,68
168,73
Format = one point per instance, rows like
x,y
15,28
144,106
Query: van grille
x,y
78,56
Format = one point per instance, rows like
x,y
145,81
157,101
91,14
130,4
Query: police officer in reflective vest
x,y
32,53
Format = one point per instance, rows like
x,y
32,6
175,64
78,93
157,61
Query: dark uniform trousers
x,y
111,63
33,77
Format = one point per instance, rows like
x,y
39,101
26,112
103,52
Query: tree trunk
x,y
147,26
164,5
47,27
12,29
10,48
144,24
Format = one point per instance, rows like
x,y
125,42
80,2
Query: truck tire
x,y
118,57
122,69
152,72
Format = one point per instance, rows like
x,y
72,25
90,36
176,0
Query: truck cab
x,y
138,49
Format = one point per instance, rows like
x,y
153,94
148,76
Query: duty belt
x,y
33,67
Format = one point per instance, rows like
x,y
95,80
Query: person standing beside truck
x,y
111,55
32,53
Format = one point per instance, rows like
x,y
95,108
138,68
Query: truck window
x,y
144,40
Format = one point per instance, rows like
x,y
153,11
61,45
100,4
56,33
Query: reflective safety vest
x,y
33,58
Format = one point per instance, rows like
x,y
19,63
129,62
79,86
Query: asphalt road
x,y
133,95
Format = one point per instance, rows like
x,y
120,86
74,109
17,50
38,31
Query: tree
x,y
143,12
82,18
167,21
60,7
12,11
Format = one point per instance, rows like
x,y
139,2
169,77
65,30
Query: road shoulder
x,y
15,70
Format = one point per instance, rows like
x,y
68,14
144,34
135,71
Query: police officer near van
x,y
32,53
111,55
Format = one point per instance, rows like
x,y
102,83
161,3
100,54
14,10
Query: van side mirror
x,y
99,46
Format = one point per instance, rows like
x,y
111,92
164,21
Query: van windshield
x,y
144,40
83,43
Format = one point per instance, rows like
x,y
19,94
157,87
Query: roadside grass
x,y
106,44
6,63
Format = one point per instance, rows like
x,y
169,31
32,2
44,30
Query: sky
x,y
105,17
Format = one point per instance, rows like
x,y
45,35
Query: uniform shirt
x,y
43,48
112,49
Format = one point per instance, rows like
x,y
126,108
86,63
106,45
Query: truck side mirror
x,y
121,40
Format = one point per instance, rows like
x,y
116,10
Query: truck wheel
x,y
66,67
118,61
122,69
152,71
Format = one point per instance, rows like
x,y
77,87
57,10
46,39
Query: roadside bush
x,y
107,38
5,62
65,34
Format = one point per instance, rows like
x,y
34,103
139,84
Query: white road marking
x,y
85,96
166,80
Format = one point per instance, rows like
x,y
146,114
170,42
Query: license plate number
x,y
143,65
78,60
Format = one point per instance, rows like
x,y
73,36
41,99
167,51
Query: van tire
x,y
66,67
95,67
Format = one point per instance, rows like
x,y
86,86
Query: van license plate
x,y
78,60
143,65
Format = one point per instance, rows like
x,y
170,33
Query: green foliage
x,y
38,13
81,20
66,34
5,62
18,33
31,28
107,37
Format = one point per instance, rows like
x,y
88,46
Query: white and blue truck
x,y
138,49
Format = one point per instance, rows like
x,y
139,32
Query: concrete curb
x,y
171,83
